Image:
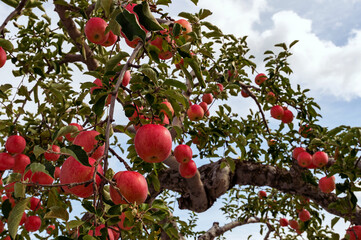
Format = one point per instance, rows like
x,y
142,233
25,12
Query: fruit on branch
x,y
354,232
32,223
205,108
187,26
15,144
188,169
304,159
38,177
244,93
232,72
293,224
207,98
1,226
52,156
195,112
277,112
260,78
23,218
50,229
132,43
35,203
262,194
99,84
2,57
6,161
305,130
183,153
95,30
87,140
132,186
296,151
287,116
71,136
170,109
121,223
283,222
72,171
112,38
271,97
220,87
320,159
126,78
56,172
153,143
20,162
327,184
304,215
159,42
98,233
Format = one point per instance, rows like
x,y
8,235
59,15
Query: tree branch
x,y
17,11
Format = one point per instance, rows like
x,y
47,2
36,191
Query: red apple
x,y
32,223
132,43
262,194
207,98
95,30
20,163
56,172
293,224
2,57
297,151
304,159
260,78
98,233
15,144
112,38
320,159
271,97
86,139
132,186
163,54
71,136
183,153
304,215
287,116
195,112
205,108
188,169
38,177
244,93
6,161
354,232
73,171
187,26
53,156
327,184
121,223
126,78
1,226
153,143
35,203
170,108
277,112
220,86
23,219
283,222
50,229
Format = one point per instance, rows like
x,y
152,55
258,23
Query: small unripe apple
x,y
183,153
15,144
293,224
188,169
327,184
244,93
71,136
195,112
50,229
262,194
304,159
260,78
6,161
287,116
277,112
283,222
2,57
271,97
304,215
207,98
32,223
320,159
354,232
53,156
35,203
95,30
297,151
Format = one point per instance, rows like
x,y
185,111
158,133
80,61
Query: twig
x,y
16,11
120,159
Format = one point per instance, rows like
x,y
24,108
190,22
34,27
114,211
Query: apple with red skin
x,y
126,78
132,43
195,112
297,151
20,162
35,203
50,229
244,93
95,30
183,153
112,38
207,98
170,108
320,159
2,57
271,97
188,169
293,224
53,156
260,78
287,116
187,26
132,185
99,84
71,136
1,226
121,223
304,159
72,171
86,139
163,54
277,112
15,144
7,238
283,222
220,86
205,108
354,232
32,224
98,233
153,143
23,219
327,184
6,161
38,177
56,172
262,194
304,215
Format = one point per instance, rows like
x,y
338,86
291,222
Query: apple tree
x,y
127,145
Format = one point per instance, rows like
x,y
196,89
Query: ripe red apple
x,y
205,108
38,177
327,184
187,26
20,162
283,222
244,93
262,194
2,57
163,54
170,108
6,161
287,116
121,223
293,224
195,112
132,186
98,233
220,86
71,136
32,223
188,169
277,112
304,215
153,143
183,153
95,30
52,156
1,226
320,159
73,171
260,78
304,159
112,38
271,97
23,219
56,172
126,78
207,98
354,232
297,151
86,139
35,203
15,144
132,43
50,229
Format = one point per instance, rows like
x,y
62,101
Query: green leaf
x,y
15,216
6,208
203,13
57,212
150,73
130,26
65,130
6,45
38,151
106,4
73,224
98,107
146,17
113,62
19,190
161,2
334,221
197,71
293,43
78,153
175,83
87,205
195,2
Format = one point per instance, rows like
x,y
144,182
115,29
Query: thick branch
x,y
17,11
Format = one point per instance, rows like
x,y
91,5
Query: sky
x,y
325,59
